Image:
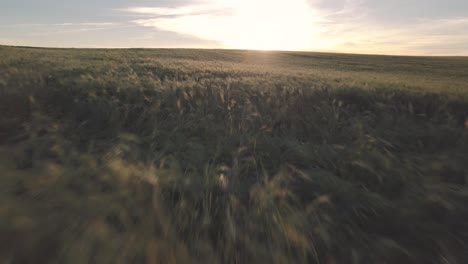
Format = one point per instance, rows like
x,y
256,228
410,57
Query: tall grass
x,y
217,156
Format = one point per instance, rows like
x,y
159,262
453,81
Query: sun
x,y
270,25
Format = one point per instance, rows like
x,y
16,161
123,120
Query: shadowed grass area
x,y
207,156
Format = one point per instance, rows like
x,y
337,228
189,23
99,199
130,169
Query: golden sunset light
x,y
233,131
243,24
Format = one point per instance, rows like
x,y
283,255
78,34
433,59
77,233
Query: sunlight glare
x,y
247,24
270,25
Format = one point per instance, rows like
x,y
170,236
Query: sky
x,y
397,27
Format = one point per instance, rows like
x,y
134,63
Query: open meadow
x,y
230,156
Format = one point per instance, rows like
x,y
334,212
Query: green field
x,y
228,156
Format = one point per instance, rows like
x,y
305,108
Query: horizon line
x,y
233,49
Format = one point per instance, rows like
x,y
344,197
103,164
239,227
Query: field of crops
x,y
226,156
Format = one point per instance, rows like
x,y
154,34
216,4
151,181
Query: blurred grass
x,y
210,156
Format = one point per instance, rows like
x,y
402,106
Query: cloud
x,y
91,24
407,27
410,27
61,28
419,38
238,24
328,4
75,30
332,25
88,24
180,11
404,11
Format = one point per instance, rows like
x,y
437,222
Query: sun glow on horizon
x,y
241,24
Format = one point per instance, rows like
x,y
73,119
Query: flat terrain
x,y
227,156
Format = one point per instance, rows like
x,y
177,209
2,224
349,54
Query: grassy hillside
x,y
218,156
